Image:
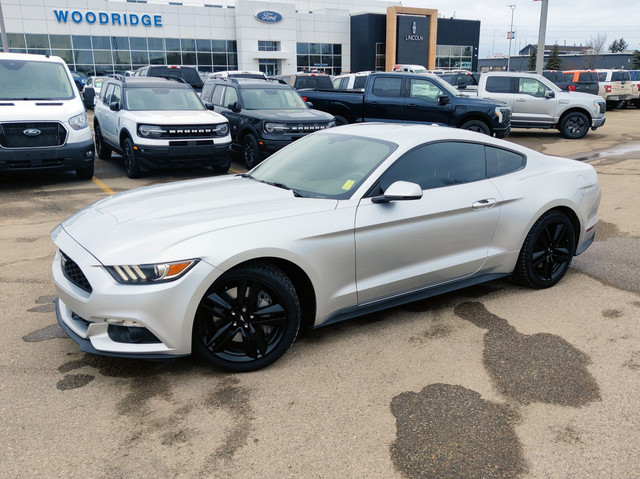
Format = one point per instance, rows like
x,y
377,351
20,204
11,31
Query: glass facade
x,y
454,57
266,46
99,55
323,57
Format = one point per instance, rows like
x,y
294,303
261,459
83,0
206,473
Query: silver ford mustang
x,y
340,223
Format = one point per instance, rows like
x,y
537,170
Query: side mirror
x,y
549,94
209,106
400,191
309,104
443,100
114,106
235,107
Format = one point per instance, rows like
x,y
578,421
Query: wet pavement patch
x,y
50,332
612,313
531,368
450,432
74,381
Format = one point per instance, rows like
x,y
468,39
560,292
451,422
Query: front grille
x,y
23,163
32,134
307,127
74,274
189,131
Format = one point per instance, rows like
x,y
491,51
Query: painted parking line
x,y
104,187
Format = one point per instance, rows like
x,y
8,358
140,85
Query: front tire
x,y
104,152
247,319
85,173
477,126
251,151
547,252
575,125
131,166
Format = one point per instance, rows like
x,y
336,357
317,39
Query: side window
x,y
500,162
531,86
424,90
207,89
387,86
106,94
117,95
337,82
216,98
359,82
602,76
499,84
230,96
437,165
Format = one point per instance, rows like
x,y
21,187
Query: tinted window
x,y
499,84
207,89
117,95
360,82
230,96
437,165
386,86
620,76
424,90
602,76
216,98
106,96
588,76
500,162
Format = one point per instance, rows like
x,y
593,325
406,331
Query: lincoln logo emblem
x,y
413,36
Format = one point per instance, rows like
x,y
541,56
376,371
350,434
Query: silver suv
x,y
159,123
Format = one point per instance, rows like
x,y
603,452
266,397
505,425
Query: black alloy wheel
x,y
131,166
477,126
575,125
250,151
547,251
104,152
247,319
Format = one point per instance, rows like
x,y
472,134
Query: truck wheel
x,y
131,166
476,125
250,151
340,120
104,152
575,125
85,173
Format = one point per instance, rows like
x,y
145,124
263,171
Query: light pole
x,y
541,36
493,41
512,7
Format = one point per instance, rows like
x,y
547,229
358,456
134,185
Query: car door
x,y
410,244
422,102
222,98
385,100
500,88
531,105
107,117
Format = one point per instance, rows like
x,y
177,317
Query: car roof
x,y
248,83
31,56
146,82
410,135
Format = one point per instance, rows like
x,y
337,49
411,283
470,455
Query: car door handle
x,y
375,102
412,105
484,204
521,99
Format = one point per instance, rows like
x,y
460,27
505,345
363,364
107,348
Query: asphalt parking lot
x,y
494,381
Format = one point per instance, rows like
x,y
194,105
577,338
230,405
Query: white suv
x,y
159,123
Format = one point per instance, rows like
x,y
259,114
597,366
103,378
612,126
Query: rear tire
x,y
547,251
477,126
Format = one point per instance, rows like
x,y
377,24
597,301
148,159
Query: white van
x,y
43,124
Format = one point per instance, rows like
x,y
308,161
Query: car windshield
x,y
98,82
446,86
34,80
162,98
272,99
326,165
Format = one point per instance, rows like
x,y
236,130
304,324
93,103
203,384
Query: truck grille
x,y
307,127
190,131
74,274
32,135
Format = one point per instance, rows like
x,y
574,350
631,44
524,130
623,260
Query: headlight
x,y
79,122
331,124
500,113
275,127
222,130
150,130
150,273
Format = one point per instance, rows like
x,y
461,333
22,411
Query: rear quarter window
x,y
588,76
500,162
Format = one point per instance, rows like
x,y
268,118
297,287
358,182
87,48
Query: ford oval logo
x,y
32,132
268,16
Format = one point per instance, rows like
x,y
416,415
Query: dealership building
x,y
105,36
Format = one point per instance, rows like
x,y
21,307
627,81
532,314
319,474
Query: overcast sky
x,y
569,21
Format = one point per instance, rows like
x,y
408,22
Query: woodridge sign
x,y
104,18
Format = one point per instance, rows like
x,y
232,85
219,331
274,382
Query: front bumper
x,y
185,154
502,132
70,156
598,122
163,312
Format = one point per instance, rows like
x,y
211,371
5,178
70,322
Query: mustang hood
x,y
141,225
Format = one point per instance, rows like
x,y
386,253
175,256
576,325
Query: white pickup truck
x,y
537,103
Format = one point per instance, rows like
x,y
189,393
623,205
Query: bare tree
x,y
596,46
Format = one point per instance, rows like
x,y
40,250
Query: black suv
x,y
188,74
263,115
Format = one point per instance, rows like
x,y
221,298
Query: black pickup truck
x,y
412,98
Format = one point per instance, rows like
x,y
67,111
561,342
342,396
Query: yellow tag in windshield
x,y
348,184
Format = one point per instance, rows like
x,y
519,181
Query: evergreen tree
x,y
635,63
532,59
613,48
622,45
554,62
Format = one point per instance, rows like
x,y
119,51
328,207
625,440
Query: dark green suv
x,y
264,116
